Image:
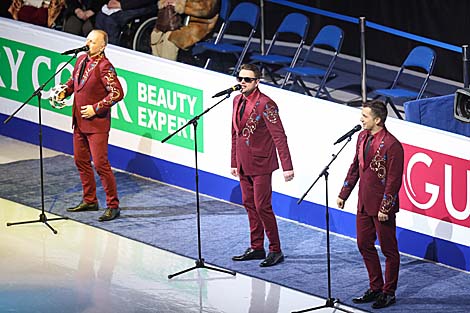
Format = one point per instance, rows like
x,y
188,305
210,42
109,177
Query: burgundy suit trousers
x,y
256,197
368,229
94,146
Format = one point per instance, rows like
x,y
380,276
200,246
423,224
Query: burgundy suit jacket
x,y
379,174
257,136
98,87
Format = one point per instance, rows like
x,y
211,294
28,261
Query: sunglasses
x,y
246,79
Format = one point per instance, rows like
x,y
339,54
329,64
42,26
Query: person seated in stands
x,y
171,34
80,16
4,5
117,13
38,12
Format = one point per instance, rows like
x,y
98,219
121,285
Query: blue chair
x,y
223,16
329,37
420,58
244,14
294,23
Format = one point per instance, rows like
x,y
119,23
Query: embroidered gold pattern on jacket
x,y
89,69
388,203
250,125
111,88
271,113
378,165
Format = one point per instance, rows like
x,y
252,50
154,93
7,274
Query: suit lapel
x,y
77,73
249,108
375,147
237,102
361,150
373,150
88,71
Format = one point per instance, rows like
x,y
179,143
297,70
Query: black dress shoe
x,y
250,254
383,300
368,296
84,207
109,214
272,259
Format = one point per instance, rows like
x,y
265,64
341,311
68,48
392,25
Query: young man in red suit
x,y
96,89
378,165
257,133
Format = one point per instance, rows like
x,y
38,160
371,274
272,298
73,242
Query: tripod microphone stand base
x,y
330,303
200,260
37,93
42,219
200,264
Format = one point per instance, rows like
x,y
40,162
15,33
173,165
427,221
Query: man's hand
x,y
234,171
87,111
340,203
168,2
88,14
80,14
382,217
114,4
288,175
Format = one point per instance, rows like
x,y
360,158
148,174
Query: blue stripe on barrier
x,y
376,26
411,242
422,39
316,11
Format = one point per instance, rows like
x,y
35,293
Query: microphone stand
x,y
37,93
330,301
200,261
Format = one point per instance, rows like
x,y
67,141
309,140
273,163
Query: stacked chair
x,y
421,58
244,14
329,37
296,24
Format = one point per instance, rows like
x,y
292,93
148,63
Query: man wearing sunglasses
x,y
257,133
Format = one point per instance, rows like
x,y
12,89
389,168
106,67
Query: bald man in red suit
x,y
257,133
96,89
378,166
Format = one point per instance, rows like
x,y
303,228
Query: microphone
x,y
227,91
349,133
77,50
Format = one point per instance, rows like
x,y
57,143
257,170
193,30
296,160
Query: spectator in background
x,y
170,35
117,13
80,16
38,12
4,5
